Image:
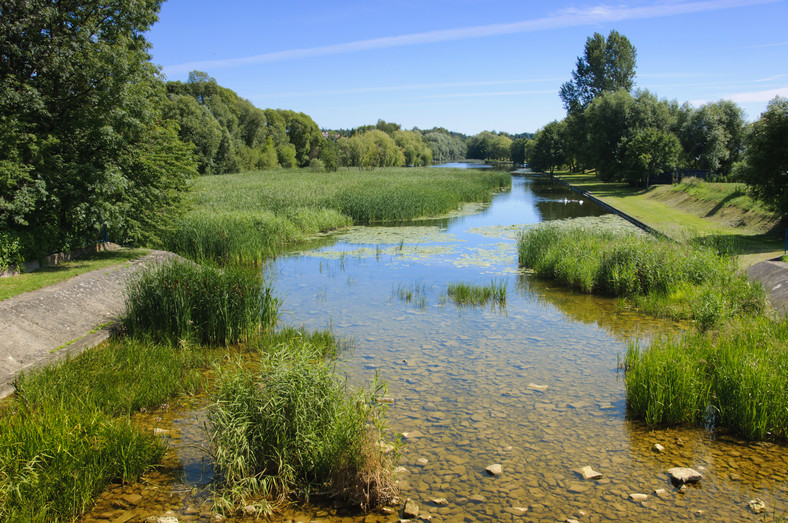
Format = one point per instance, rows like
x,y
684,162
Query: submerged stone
x,y
757,505
495,469
684,475
410,510
589,473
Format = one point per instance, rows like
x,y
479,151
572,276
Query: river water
x,y
532,385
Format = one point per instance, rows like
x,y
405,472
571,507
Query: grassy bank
x,y
659,276
67,432
248,216
694,209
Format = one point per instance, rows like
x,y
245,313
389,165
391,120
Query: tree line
x,y
627,134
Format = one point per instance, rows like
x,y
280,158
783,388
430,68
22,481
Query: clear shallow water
x,y
533,386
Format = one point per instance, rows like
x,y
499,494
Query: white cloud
x,y
749,96
562,19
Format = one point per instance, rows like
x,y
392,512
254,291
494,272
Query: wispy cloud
x,y
761,46
749,96
562,19
772,78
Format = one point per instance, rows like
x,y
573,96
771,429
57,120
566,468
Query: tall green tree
x,y
80,114
607,65
765,166
549,149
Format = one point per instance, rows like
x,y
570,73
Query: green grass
x,y
737,378
30,281
291,427
474,295
660,276
249,216
181,300
675,211
67,433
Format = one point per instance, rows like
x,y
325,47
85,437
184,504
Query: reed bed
x,y
250,216
677,280
737,378
473,295
291,427
181,300
67,433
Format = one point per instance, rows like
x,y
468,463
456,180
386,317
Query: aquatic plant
x,y
180,300
66,434
292,427
737,378
467,294
250,216
660,276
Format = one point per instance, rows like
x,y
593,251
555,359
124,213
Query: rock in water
x,y
410,510
757,505
495,470
589,473
684,475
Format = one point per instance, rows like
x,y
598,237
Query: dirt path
x,y
47,324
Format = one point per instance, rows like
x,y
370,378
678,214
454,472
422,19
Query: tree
x,y
370,149
549,148
765,167
80,117
445,146
489,146
517,150
417,153
607,65
649,152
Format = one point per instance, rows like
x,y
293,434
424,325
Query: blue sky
x,y
467,65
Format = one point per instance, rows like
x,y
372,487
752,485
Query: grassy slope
x,y
30,281
707,211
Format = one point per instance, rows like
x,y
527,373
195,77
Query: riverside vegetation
x,y
730,371
65,437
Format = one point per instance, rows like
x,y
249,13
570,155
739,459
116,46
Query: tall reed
x,y
674,279
467,294
180,300
291,427
737,378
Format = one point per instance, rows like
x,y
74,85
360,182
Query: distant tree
x,y
304,134
517,150
416,151
445,146
549,149
765,165
370,150
648,152
489,146
606,66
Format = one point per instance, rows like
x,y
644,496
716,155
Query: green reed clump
x,y
660,276
291,427
737,378
181,300
66,434
467,294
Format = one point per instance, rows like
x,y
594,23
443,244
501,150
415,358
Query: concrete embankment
x,y
64,319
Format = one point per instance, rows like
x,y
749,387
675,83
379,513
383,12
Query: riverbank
x,y
679,218
64,319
